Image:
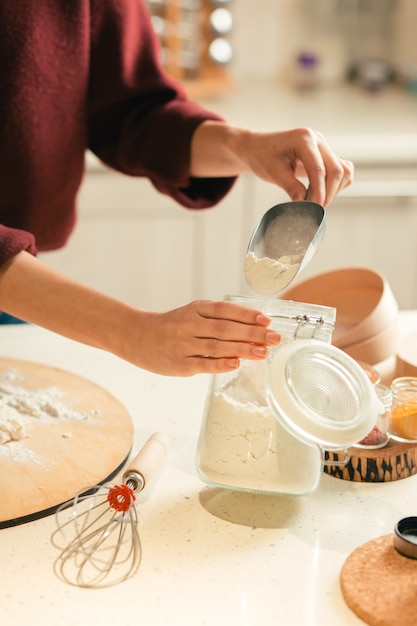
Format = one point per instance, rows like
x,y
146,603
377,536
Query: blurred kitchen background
x,y
298,42
345,67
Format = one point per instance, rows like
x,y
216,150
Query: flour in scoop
x,y
267,276
281,252
245,447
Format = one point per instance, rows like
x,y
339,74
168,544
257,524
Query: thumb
x,y
296,190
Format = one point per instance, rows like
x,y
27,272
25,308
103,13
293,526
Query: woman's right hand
x,y
200,337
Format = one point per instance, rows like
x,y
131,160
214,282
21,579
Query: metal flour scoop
x,y
284,241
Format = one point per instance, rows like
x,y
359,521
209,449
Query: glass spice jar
x,y
380,433
404,409
371,372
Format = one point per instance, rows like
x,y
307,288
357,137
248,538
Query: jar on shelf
x,y
307,64
404,409
380,433
267,425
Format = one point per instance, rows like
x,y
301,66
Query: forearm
x,y
35,293
214,150
202,336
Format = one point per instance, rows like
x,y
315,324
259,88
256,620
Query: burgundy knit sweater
x,y
79,74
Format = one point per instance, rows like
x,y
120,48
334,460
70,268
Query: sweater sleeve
x,y
13,241
141,121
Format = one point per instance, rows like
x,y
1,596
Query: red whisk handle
x,y
121,498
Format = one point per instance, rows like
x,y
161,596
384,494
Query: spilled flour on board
x,y
19,407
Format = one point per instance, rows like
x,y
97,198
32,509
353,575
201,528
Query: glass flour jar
x,y
266,425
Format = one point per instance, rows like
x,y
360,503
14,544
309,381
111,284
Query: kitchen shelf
x,y
187,37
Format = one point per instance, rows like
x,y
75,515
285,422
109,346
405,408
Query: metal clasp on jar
x,y
304,320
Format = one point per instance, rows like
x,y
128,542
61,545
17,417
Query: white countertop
x,y
210,557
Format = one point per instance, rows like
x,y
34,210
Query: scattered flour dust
x,y
19,407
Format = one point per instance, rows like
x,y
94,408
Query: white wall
x,y
264,37
268,34
405,36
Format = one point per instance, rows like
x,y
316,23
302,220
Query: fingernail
x,y
263,319
259,351
272,337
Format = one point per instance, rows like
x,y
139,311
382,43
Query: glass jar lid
x,y
320,394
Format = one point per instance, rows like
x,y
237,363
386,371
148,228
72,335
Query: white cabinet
x,y
142,247
225,232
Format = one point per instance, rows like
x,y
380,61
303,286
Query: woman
x,y
86,75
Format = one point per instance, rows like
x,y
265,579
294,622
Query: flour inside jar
x,y
244,445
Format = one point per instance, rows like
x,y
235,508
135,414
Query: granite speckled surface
x,y
210,557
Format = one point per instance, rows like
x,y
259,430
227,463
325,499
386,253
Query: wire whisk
x,y
97,531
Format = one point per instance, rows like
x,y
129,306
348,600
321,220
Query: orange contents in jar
x,y
404,421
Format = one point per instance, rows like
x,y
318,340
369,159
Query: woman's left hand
x,y
281,158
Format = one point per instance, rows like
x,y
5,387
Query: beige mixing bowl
x,y
406,358
367,311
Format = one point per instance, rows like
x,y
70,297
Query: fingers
x,y
327,173
338,171
227,333
228,329
301,153
283,157
211,366
307,162
222,333
231,311
220,349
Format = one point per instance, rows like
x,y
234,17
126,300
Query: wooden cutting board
x,y
380,585
60,457
393,462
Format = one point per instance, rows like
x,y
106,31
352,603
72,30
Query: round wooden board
x,y
380,585
63,456
393,462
